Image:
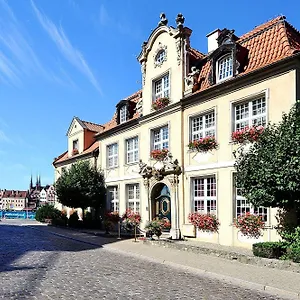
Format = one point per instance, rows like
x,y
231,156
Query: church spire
x,y
31,184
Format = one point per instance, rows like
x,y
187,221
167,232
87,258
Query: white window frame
x,y
123,114
112,155
113,198
227,57
133,202
165,87
160,57
254,116
245,206
208,126
75,144
204,203
163,142
134,151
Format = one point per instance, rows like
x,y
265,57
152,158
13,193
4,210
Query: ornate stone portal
x,y
166,171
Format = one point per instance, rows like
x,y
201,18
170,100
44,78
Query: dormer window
x,y
123,114
75,145
225,68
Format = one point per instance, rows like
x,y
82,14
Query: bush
x,y
293,253
47,212
269,249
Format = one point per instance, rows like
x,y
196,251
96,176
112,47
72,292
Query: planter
x,y
159,155
247,134
160,103
205,144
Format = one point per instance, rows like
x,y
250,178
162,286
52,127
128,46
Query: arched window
x,y
225,68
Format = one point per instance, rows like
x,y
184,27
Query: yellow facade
x,y
277,87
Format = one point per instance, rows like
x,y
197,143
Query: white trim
x,y
224,164
218,67
137,176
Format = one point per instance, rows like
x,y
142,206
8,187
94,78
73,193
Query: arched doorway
x,y
161,202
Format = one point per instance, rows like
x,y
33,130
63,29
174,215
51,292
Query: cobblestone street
x,y
36,264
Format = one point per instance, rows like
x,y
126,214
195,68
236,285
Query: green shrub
x,y
47,212
293,253
269,249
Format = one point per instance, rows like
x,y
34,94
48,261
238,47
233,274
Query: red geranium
x,y
160,103
204,144
247,134
159,154
205,222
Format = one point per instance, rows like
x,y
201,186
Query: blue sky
x,y
65,58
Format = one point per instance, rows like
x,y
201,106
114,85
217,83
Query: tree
x,y
269,173
82,186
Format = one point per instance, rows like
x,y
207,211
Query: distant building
x,y
12,199
39,195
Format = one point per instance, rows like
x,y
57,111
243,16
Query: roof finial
x,y
163,20
180,20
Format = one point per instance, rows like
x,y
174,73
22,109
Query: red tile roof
x,y
64,157
14,194
266,44
93,126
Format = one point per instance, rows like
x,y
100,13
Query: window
x,y
160,57
204,195
250,113
112,155
132,150
123,114
133,197
243,206
75,145
162,87
225,68
113,198
161,138
202,126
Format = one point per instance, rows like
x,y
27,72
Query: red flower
x,y
204,222
204,144
160,103
159,154
251,134
249,224
131,217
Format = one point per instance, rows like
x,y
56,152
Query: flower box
x,y
159,154
204,144
204,222
75,151
249,225
160,103
247,134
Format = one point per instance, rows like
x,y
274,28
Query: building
x,y
186,95
12,199
40,195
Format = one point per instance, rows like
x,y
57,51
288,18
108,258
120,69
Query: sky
x,y
66,58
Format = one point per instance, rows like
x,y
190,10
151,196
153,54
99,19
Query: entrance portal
x,y
161,202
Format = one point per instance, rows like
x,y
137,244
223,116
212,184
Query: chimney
x,y
212,43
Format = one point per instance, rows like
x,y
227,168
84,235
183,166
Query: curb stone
x,y
230,255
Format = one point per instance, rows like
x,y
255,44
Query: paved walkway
x,y
281,282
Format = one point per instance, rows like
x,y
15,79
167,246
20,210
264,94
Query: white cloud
x,y
73,55
17,56
104,17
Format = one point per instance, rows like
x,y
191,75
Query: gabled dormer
x,y
164,64
81,135
225,54
125,111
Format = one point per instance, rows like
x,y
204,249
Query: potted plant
x,y
110,220
249,225
160,103
159,154
204,144
131,219
247,134
154,227
204,222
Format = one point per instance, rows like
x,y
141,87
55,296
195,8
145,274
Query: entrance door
x,y
163,207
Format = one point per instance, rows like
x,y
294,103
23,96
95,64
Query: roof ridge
x,y
250,35
92,123
288,27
